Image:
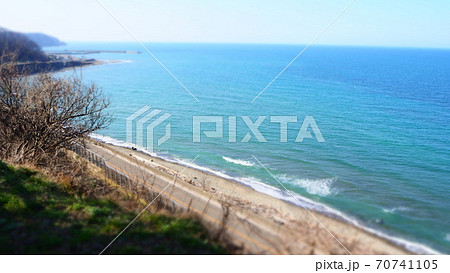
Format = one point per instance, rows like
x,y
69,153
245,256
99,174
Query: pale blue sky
x,y
411,23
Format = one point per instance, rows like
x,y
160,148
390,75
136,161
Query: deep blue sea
x,y
384,114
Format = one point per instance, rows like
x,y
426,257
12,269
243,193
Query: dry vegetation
x,y
42,114
83,212
51,200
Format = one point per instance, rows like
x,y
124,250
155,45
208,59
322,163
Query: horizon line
x,y
264,43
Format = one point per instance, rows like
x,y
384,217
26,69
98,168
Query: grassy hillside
x,y
39,216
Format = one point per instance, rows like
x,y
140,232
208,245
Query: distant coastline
x,y
60,63
25,49
56,65
84,52
65,60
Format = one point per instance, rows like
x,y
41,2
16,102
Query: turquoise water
x,y
384,114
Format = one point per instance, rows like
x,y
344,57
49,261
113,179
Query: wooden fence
x,y
137,188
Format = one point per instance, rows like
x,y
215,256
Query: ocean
x,y
384,114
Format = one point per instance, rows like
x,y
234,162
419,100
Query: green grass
x,y
39,216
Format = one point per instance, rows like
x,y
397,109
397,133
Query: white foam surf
x,y
321,187
309,204
112,141
239,161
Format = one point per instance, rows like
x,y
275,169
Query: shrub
x,y
41,114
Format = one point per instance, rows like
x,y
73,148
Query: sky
x,y
398,23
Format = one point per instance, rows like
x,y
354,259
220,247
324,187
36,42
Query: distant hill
x,y
44,40
26,49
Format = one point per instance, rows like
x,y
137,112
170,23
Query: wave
x,y
239,161
309,204
393,210
112,141
321,187
299,200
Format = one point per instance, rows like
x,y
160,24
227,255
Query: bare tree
x,y
41,114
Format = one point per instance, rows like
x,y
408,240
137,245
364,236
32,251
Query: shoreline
x,y
79,63
94,62
57,65
278,208
63,63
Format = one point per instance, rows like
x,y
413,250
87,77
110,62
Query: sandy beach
x,y
289,228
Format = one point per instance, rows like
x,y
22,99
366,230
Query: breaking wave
x,y
239,161
321,187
